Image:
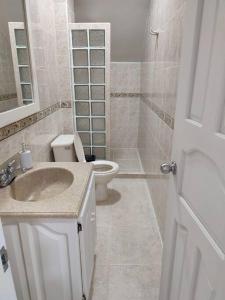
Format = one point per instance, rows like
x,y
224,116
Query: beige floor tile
x,y
100,284
133,207
102,245
128,252
134,202
134,245
132,283
103,214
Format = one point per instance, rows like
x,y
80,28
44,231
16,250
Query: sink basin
x,y
41,184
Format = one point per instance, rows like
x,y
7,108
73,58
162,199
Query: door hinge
x,y
4,258
79,227
83,297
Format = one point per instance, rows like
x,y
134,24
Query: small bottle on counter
x,y
26,162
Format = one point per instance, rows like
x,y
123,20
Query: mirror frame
x,y
18,113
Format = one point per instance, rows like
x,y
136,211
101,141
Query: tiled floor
x,y
128,160
128,254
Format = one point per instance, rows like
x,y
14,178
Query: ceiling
x,y
127,18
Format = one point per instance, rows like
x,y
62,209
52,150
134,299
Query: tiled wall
x,y
125,99
64,13
37,136
70,10
159,73
43,24
62,43
50,54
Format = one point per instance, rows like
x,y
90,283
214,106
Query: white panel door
x,y
88,237
194,259
7,290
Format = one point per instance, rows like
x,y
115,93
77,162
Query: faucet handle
x,y
11,163
8,174
2,172
3,177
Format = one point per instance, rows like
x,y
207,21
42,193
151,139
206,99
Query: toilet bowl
x,y
69,148
104,171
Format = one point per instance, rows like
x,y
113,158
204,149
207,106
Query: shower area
x,y
140,94
125,108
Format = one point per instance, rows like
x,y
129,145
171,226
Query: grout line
x,y
125,265
139,159
154,213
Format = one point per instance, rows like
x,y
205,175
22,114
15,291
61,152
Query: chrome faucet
x,y
8,174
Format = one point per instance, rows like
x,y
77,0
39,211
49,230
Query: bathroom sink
x,y
41,184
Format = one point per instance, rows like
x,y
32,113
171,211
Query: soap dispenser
x,y
26,162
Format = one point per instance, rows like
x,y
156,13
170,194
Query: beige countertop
x,y
66,204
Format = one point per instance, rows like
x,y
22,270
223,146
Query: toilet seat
x,y
79,148
101,167
105,167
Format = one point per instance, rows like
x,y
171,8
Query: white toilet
x,y
69,148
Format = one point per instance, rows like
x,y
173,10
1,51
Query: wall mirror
x,y
18,92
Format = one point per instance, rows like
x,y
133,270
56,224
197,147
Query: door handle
x,y
169,167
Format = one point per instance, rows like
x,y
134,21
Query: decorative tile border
x,y
125,95
166,118
8,96
157,110
66,104
15,127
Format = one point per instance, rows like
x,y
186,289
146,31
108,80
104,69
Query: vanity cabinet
x,y
53,258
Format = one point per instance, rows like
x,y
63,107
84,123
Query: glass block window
x,y
21,62
90,60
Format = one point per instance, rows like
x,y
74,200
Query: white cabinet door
x,y
7,290
46,258
52,259
15,252
88,237
194,250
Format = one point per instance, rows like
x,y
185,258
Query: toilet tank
x,y
63,148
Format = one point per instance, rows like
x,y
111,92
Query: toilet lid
x,y
79,148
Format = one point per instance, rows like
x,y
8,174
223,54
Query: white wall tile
x,y
125,77
159,72
124,122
